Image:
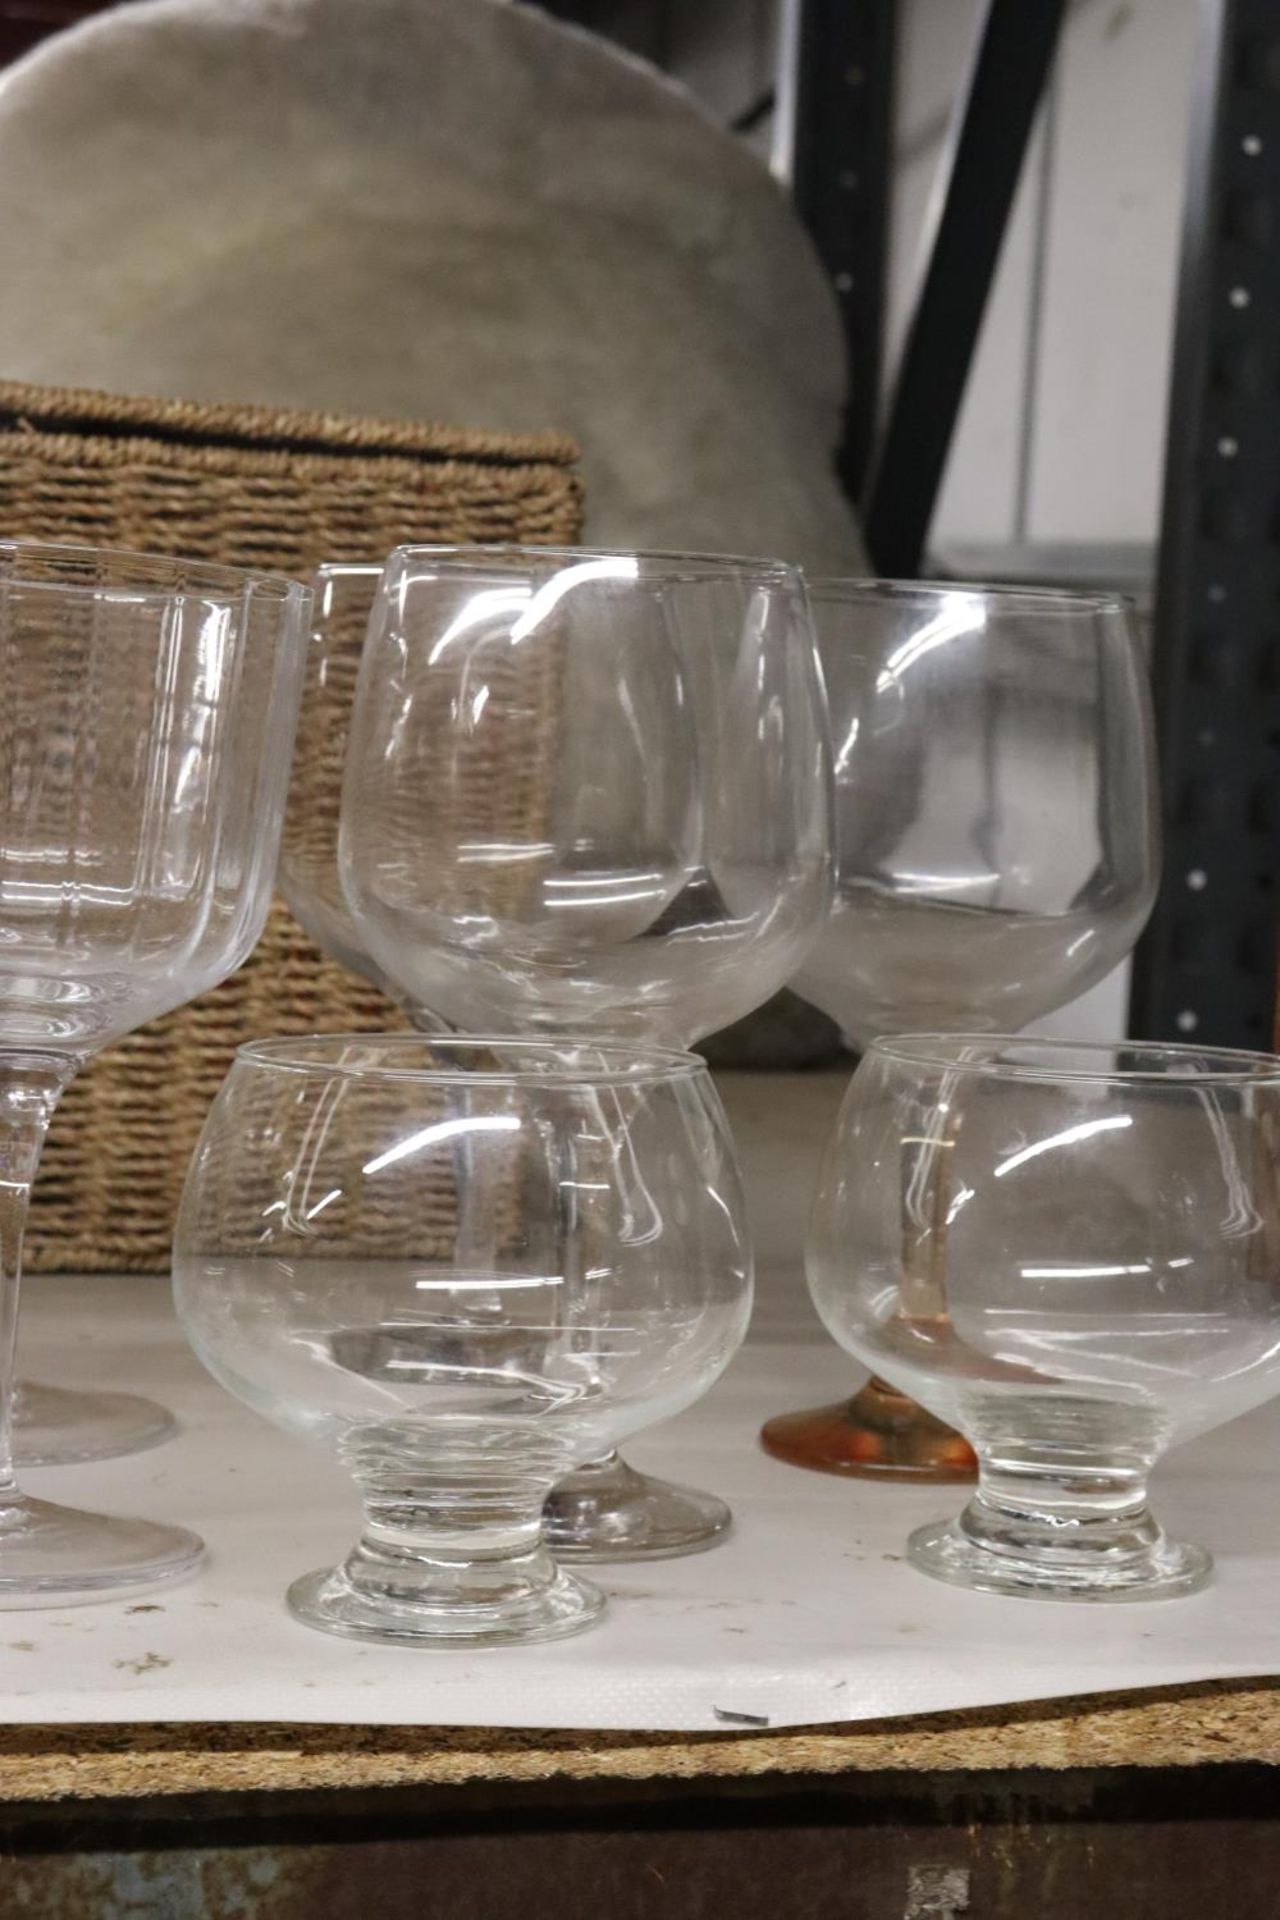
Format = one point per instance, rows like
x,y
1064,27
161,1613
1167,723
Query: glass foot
x,y
59,1557
607,1511
546,1607
878,1435
1163,1570
59,1426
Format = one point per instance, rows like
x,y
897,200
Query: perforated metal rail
x,y
1207,967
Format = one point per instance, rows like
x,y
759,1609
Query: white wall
x,y
1061,435
724,51
1113,217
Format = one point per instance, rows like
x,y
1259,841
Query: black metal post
x,y
1208,962
993,123
841,175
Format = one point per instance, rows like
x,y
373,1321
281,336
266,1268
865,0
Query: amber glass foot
x,y
878,1435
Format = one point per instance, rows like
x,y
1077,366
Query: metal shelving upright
x,y
1207,965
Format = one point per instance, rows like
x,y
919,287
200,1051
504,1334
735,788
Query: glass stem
x,y
410,1553
477,1204
928,1179
448,1517
585,1477
1072,1513
30,1084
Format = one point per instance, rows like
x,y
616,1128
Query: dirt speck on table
x,y
147,1663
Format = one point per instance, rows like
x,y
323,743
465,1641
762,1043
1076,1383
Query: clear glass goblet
x,y
149,707
464,1265
997,853
1094,1246
586,792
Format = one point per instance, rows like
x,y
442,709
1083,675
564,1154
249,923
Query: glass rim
x,y
146,574
1227,1066
1008,594
623,1065
658,564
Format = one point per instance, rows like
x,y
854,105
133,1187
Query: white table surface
x,y
807,1614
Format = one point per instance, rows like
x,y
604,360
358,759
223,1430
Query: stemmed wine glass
x,y
997,853
585,793
149,707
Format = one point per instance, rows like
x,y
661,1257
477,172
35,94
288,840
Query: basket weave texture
x,y
252,487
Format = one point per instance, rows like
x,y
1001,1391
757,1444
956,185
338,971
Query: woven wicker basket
x,y
248,486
